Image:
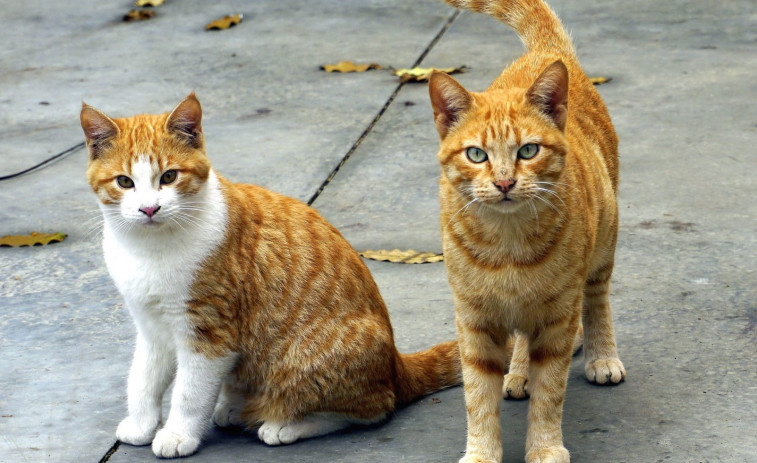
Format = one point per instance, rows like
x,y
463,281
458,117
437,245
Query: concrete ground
x,y
684,290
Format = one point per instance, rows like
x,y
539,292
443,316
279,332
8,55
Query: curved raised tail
x,y
533,20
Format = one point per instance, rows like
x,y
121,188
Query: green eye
x,y
168,177
124,182
528,151
476,155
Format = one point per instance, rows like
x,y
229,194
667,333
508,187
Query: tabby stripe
x,y
485,366
498,338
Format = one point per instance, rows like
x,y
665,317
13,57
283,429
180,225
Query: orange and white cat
x,y
529,223
254,304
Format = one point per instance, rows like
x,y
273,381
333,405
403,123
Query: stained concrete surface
x,y
684,289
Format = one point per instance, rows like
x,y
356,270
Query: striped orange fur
x,y
529,222
282,307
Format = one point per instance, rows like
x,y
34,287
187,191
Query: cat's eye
x,y
528,151
476,155
168,177
125,182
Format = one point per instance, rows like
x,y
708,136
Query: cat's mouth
x,y
149,222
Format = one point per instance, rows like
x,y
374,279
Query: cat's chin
x,y
505,206
151,224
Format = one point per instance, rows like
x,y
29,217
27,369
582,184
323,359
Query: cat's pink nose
x,y
149,211
505,185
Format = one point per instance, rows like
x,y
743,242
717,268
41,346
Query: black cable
x,y
59,155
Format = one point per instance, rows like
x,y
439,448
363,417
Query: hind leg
x,y
228,411
514,386
600,351
316,424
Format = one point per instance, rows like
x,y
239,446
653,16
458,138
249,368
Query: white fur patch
x,y
154,266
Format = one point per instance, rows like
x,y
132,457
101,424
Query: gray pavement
x,y
684,290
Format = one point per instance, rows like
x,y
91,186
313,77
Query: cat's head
x,y
146,169
503,148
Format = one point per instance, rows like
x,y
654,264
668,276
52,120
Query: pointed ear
x,y
185,121
98,128
449,100
549,93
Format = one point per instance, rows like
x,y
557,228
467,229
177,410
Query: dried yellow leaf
x,y
225,22
406,257
599,80
422,74
138,15
32,239
151,3
349,66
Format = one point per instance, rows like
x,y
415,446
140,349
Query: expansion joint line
x,y
383,109
113,449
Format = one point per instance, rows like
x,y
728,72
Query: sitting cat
x,y
238,290
529,222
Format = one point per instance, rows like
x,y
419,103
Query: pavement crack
x,y
113,449
383,109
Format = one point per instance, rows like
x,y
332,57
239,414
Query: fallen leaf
x,y
33,239
406,257
224,23
422,74
138,15
349,66
435,400
149,3
599,80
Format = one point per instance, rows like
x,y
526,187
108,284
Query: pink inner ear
x,y
448,100
97,126
550,93
186,118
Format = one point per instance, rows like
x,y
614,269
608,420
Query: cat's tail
x,y
427,371
534,21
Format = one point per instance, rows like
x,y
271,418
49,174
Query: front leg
x,y
483,356
151,372
550,354
198,382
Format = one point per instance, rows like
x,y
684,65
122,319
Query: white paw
x,y
227,415
515,386
475,459
273,433
556,454
605,371
169,444
269,432
288,434
130,432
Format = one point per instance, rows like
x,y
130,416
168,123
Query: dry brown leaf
x,y
138,15
599,80
32,239
224,23
150,3
406,257
349,66
422,74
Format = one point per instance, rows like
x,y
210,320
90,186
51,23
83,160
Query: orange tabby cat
x,y
529,221
242,292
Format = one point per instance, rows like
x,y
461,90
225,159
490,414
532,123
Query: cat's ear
x,y
185,121
98,128
549,93
449,100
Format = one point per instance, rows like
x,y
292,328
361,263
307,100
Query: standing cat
x,y
529,222
239,291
